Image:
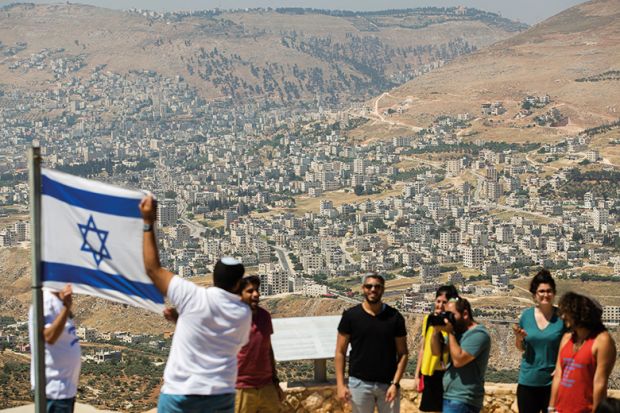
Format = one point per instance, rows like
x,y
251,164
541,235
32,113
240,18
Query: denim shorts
x,y
60,405
454,406
180,403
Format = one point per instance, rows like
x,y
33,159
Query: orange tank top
x,y
576,387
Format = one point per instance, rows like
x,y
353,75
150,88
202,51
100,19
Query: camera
x,y
438,319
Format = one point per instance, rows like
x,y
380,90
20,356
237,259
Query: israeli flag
x,y
91,237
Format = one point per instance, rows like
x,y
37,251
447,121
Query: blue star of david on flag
x,y
95,221
98,253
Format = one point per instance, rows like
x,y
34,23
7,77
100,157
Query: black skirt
x,y
432,395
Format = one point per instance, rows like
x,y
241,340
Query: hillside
x,y
572,57
272,56
143,385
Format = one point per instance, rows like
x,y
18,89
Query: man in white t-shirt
x,y
62,351
212,327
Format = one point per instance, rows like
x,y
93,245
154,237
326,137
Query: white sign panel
x,y
304,338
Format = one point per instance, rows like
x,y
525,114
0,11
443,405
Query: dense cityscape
x,y
290,192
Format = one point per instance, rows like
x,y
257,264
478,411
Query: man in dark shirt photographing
x,y
378,356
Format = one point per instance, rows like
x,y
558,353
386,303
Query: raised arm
x,y
605,360
458,356
342,343
160,276
53,332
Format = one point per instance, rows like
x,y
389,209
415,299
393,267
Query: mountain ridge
x,y
261,55
549,58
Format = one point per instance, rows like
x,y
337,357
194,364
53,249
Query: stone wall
x,y
321,398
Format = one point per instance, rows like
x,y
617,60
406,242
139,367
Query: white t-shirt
x,y
213,325
62,359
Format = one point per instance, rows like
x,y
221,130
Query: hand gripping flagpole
x,y
38,352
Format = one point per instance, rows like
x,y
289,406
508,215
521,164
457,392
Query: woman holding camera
x,y
429,368
538,336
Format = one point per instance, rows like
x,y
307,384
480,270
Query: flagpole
x,y
38,352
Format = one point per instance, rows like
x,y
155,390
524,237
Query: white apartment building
x,y
86,334
454,167
611,314
314,290
167,213
473,256
600,218
504,234
22,231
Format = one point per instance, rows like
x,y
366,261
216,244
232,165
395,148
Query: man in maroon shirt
x,y
258,388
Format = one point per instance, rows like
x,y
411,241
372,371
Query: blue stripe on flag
x,y
108,204
53,271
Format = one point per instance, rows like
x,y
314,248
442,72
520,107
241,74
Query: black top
x,y
373,347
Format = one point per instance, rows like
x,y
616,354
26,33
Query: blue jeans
x,y
453,406
60,405
366,394
179,403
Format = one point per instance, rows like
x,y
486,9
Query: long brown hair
x,y
584,311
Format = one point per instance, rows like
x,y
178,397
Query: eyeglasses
x,y
548,291
371,286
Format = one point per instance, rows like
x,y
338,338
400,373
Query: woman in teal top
x,y
538,336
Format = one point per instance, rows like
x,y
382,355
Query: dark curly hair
x,y
542,277
583,311
250,279
462,305
449,291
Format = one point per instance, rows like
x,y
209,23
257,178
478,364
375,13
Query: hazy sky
x,y
528,11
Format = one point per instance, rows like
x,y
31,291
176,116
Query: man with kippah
x,y
212,327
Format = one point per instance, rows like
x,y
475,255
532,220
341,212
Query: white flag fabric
x,y
91,237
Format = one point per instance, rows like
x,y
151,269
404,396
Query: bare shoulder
x,y
604,349
604,340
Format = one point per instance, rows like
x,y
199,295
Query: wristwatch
x,y
147,227
395,384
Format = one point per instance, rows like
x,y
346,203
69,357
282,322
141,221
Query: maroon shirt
x,y
254,360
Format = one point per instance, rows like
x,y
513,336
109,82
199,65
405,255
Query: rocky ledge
x,y
321,398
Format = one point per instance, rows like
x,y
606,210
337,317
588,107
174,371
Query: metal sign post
x,y
38,350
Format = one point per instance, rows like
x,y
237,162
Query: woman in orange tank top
x,y
586,358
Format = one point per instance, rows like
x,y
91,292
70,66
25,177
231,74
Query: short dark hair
x,y
461,305
584,311
227,273
542,277
250,279
375,276
608,405
448,290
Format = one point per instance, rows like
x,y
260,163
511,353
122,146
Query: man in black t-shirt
x,y
379,353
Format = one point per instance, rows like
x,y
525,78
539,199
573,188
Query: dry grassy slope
x,y
478,33
126,41
579,42
15,281
15,298
106,316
